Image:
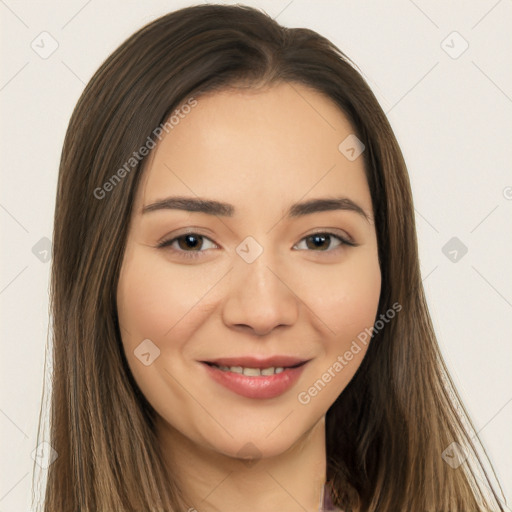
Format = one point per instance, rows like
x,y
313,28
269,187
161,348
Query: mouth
x,y
252,377
253,371
257,363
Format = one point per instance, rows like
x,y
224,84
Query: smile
x,y
251,372
255,380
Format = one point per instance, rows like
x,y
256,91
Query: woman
x,y
239,318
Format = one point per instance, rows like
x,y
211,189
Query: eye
x,y
189,245
321,241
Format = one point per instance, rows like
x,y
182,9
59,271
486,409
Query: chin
x,y
262,445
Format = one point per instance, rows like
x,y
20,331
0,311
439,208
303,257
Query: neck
x,y
213,482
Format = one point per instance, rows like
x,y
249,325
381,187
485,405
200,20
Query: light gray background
x,y
452,117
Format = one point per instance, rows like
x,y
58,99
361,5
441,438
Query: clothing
x,y
327,502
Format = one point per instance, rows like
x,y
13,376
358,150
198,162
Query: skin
x,y
259,150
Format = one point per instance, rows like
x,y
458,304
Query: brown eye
x,y
189,245
323,242
318,241
190,241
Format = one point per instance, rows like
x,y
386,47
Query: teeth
x,y
251,372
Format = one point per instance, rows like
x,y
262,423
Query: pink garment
x,y
327,503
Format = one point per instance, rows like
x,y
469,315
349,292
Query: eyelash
x,y
197,254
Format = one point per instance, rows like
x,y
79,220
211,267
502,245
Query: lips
x,y
278,375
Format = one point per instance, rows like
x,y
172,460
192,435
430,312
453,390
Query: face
x,y
240,315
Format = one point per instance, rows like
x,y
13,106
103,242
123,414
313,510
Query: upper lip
x,y
279,361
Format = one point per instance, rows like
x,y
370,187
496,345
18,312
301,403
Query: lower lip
x,y
268,386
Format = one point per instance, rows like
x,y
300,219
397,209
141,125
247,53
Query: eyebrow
x,y
217,208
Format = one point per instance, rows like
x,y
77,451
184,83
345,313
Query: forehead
x,y
276,144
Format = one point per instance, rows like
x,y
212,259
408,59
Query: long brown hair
x,y
387,430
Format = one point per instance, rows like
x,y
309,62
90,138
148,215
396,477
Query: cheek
x,y
345,299
346,302
161,303
156,300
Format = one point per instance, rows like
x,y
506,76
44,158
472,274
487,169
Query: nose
x,y
260,297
